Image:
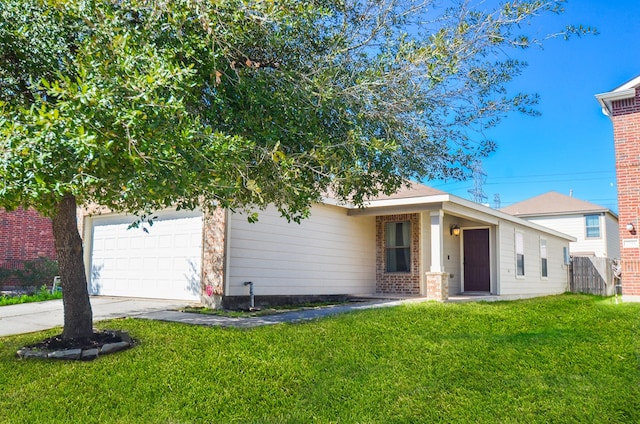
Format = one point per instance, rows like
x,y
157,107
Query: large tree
x,y
138,105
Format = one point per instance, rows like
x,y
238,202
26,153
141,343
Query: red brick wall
x,y
25,235
404,283
626,135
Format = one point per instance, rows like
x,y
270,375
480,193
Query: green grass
x,y
41,295
562,359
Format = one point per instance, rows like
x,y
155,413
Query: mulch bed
x,y
98,339
89,348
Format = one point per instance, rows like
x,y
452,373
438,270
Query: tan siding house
x,y
534,281
327,254
420,242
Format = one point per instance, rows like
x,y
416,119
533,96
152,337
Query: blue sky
x,y
570,147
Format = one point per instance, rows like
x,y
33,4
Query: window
x,y
543,259
398,245
519,255
592,225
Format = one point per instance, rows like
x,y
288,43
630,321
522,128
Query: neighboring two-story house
x,y
595,227
622,105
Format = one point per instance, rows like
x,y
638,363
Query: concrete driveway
x,y
37,316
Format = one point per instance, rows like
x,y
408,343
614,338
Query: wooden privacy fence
x,y
590,274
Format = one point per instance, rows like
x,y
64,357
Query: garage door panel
x,y
161,263
182,241
109,244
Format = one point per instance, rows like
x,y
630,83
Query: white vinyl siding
x,y
452,254
574,225
612,238
532,283
328,253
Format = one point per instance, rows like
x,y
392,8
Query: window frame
x,y
519,256
544,259
587,227
405,247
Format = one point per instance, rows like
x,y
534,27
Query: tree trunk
x,y
78,318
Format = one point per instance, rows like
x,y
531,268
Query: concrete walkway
x,y
277,318
37,316
31,317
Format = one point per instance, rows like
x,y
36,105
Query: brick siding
x,y
404,283
25,235
626,135
213,257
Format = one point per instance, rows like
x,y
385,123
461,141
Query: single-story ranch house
x,y
419,242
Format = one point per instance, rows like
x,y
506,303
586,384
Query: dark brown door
x,y
477,271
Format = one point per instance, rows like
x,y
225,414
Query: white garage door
x,y
162,263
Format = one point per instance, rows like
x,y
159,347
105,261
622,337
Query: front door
x,y
477,270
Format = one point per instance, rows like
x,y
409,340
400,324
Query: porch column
x,y
437,241
438,286
437,278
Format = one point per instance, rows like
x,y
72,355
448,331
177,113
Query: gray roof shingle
x,y
552,203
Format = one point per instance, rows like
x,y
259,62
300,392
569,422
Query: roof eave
x,y
439,199
562,213
606,99
508,217
409,200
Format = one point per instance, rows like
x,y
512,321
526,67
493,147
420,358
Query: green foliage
x,y
35,273
139,105
41,295
5,274
561,359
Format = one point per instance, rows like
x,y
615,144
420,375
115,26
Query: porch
x,y
436,254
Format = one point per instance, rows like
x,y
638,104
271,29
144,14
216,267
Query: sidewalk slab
x,y
250,322
38,316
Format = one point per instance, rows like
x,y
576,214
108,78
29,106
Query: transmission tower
x,y
496,201
479,178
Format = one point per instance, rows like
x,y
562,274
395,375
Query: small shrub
x,y
41,295
34,273
38,272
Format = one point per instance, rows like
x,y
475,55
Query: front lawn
x,y
568,358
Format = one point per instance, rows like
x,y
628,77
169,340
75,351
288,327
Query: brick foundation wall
x,y
25,235
405,283
626,135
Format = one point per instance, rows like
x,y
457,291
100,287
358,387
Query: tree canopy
x,y
138,105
